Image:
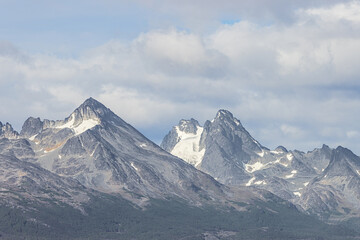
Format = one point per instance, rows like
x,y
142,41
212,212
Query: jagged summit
x,y
225,116
88,115
224,113
90,106
7,131
91,109
189,126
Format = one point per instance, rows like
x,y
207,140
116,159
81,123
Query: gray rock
x,y
31,127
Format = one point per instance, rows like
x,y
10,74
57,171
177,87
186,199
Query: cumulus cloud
x,y
294,84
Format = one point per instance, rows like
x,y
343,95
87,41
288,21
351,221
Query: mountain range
x,y
323,182
94,176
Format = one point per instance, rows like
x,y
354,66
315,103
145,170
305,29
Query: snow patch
x,y
133,165
188,147
276,152
261,154
358,172
260,182
294,171
254,167
85,125
60,156
305,184
32,138
143,145
250,182
289,156
297,194
278,160
92,154
290,176
82,127
69,124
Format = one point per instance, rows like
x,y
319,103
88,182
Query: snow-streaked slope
x,y
81,126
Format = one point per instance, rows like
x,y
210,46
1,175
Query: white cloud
x,y
173,46
292,131
343,11
303,73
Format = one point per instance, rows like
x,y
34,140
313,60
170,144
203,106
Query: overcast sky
x,y
289,70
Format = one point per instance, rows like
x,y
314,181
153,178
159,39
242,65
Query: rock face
x,y
31,127
228,145
323,181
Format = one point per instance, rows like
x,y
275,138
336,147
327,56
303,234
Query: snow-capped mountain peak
x,y
184,141
88,115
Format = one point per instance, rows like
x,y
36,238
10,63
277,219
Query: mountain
x,y
322,182
103,152
219,148
92,175
336,190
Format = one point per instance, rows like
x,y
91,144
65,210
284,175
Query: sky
x,y
288,70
